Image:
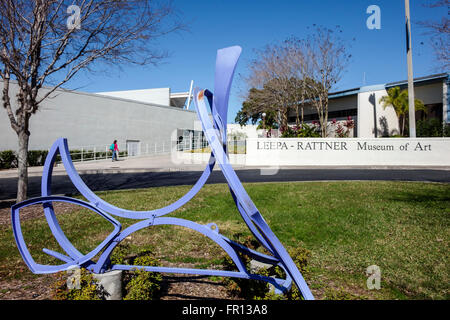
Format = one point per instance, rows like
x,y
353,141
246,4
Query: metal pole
x,y
190,95
412,108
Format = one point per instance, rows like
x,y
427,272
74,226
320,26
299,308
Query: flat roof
x,y
421,80
60,89
431,78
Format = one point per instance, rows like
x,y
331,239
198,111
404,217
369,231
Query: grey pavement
x,y
157,171
135,164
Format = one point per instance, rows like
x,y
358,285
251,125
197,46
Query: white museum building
x,y
140,120
371,119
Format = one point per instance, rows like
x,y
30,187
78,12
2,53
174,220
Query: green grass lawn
x,y
401,227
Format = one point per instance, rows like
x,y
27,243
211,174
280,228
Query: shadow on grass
x,y
192,288
6,204
424,197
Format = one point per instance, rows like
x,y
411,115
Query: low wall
x,y
187,158
349,152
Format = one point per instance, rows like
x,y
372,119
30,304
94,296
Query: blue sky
x,y
251,24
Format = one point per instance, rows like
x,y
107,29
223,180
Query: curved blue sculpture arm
x,y
244,200
226,63
78,260
61,146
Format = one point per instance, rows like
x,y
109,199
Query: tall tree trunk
x,y
323,123
324,127
297,116
325,109
303,116
22,154
402,132
284,119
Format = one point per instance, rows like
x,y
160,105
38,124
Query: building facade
x,y
95,120
153,118
371,119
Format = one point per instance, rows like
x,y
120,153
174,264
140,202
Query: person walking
x,y
115,150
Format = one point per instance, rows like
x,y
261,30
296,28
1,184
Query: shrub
x,y
306,131
137,284
36,157
89,288
303,131
430,128
8,159
75,154
238,287
260,290
141,284
120,254
342,128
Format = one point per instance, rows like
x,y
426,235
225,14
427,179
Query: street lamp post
x,y
264,124
412,108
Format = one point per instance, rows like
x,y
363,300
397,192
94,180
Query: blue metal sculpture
x,y
216,134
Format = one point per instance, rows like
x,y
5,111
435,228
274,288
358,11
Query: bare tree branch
x,y
37,46
297,71
439,32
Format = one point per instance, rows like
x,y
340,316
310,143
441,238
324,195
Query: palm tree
x,y
398,99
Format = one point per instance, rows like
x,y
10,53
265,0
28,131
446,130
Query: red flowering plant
x,y
343,128
302,131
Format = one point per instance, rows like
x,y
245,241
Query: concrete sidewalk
x,y
156,163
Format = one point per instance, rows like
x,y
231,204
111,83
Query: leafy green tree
x,y
258,103
398,99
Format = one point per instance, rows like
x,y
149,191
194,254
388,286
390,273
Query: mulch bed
x,y
175,287
32,212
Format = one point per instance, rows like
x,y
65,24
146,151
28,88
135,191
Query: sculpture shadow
x,y
373,102
202,282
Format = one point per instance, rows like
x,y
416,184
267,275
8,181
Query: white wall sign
x,y
336,152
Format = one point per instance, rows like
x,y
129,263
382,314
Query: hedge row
x,y
8,158
432,128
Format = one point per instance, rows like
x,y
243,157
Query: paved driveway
x,y
134,180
